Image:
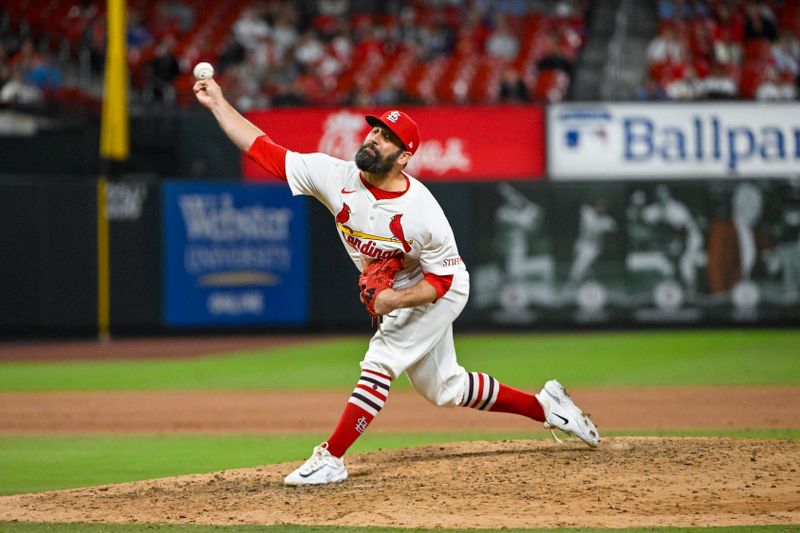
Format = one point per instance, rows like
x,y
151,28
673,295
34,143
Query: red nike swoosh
x,y
345,191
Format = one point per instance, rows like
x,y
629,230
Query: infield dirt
x,y
628,481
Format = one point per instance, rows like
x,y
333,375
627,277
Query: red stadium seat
x,y
753,74
550,86
757,50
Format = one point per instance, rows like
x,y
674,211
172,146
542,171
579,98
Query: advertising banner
x,y
473,143
234,255
725,140
637,252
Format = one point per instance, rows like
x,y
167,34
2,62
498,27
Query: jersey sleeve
x,y
313,174
441,284
271,156
440,254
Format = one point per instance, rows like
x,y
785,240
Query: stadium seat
x,y
550,86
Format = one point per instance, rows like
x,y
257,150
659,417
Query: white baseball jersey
x,y
415,340
412,224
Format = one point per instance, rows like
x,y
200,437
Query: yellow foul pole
x,y
114,146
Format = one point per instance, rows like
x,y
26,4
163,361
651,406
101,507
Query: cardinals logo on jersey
x,y
369,243
343,215
397,230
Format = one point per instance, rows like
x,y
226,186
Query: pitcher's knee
x,y
445,399
450,393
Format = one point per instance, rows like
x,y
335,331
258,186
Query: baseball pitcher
x,y
412,279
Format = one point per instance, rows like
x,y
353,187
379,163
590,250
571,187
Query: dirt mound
x,y
629,481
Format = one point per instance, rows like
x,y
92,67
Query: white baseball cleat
x,y
320,469
560,412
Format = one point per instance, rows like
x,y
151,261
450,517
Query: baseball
x,y
203,71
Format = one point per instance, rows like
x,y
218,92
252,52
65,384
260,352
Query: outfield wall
x,y
542,254
612,229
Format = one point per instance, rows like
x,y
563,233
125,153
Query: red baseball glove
x,y
377,276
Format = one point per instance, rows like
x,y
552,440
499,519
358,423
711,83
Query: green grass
x,y
16,527
675,358
32,463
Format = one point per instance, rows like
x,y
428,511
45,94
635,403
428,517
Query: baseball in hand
x,y
203,71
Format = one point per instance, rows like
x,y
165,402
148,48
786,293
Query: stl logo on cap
x,y
401,125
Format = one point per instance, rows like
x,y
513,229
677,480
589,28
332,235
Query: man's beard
x,y
373,163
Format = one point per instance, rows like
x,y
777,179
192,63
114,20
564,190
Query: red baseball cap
x,y
401,125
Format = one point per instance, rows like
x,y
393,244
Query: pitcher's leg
x,y
443,381
364,404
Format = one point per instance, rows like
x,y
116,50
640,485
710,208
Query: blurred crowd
x,y
282,53
403,52
27,76
724,50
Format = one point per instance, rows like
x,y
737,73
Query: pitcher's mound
x,y
628,481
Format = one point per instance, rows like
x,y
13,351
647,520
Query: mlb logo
x,y
572,138
586,139
583,131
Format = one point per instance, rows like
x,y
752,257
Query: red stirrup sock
x,y
364,404
487,394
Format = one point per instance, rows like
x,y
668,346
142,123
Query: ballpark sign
x,y
673,141
234,255
477,143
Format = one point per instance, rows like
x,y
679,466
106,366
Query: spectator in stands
x,y
5,72
686,87
17,91
163,69
95,43
701,46
284,30
513,88
272,28
551,57
435,40
727,30
309,49
24,57
567,9
341,47
719,85
232,53
775,89
336,9
674,10
138,35
290,95
786,54
473,32
666,48
369,45
502,42
282,71
181,12
392,93
407,30
650,90
251,29
759,22
359,96
514,8
245,88
43,73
